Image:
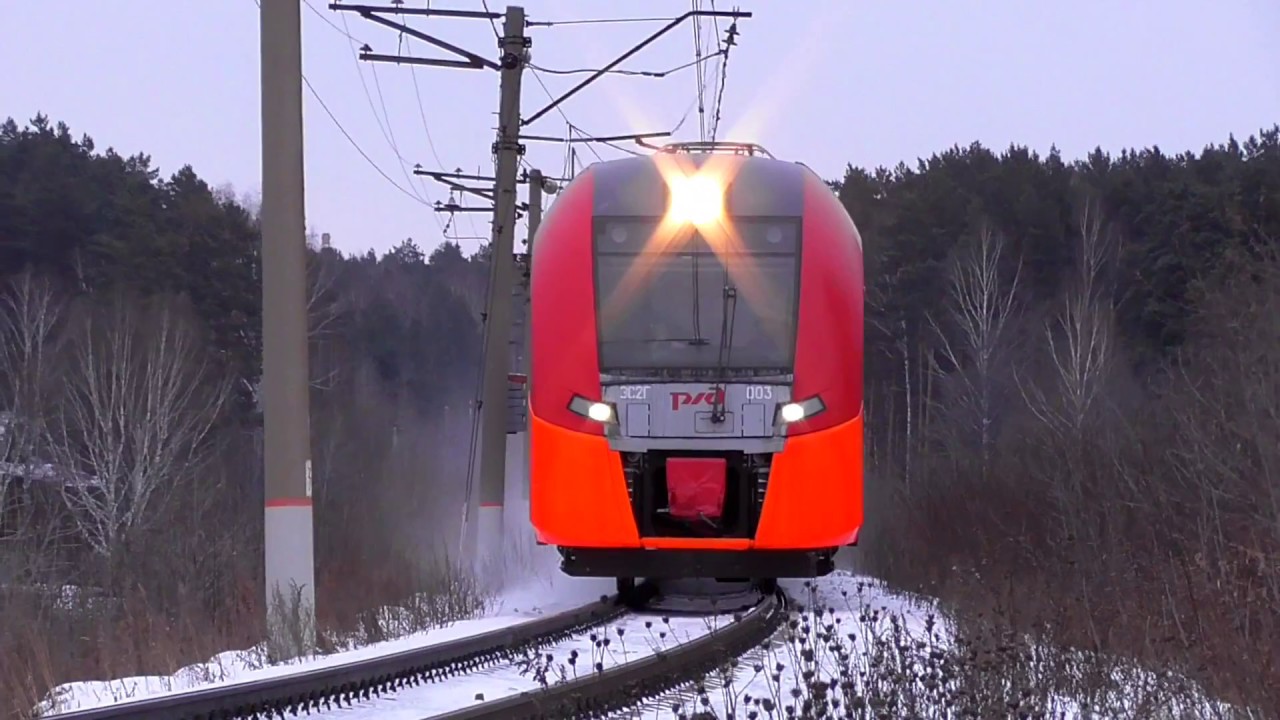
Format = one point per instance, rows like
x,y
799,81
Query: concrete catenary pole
x,y
538,184
288,540
493,418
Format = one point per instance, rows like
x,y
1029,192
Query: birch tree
x,y
29,314
1079,336
139,405
981,307
324,308
30,311
1079,359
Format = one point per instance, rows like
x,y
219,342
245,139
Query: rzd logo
x,y
711,397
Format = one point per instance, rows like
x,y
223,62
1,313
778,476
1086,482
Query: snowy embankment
x,y
536,592
238,666
855,644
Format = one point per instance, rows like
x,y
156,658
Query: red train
x,y
696,369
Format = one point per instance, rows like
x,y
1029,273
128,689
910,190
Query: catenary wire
x,y
350,139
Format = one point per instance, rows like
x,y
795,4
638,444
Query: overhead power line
x,y
356,145
388,132
729,43
351,140
383,120
701,78
623,57
569,126
508,150
597,21
642,73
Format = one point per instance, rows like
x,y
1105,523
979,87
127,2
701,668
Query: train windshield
x,y
694,305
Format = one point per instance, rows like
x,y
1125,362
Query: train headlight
x,y
601,412
697,199
794,412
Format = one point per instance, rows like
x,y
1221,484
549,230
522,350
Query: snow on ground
x,y
240,666
859,642
893,651
854,640
535,588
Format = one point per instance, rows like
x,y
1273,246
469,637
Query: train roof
x,y
760,185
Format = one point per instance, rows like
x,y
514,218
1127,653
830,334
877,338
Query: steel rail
x,y
623,686
330,687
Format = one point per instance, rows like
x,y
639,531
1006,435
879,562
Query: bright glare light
x,y
792,412
698,200
600,412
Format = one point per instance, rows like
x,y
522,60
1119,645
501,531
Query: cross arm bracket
x,y
445,179
596,138
372,13
735,14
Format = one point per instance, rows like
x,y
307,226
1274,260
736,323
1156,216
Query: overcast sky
x,y
827,82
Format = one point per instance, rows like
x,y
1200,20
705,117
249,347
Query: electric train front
x,y
696,329
695,403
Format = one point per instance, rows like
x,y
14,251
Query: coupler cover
x,y
695,488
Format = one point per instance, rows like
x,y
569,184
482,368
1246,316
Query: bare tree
x,y
1079,336
1078,365
322,307
981,306
880,316
30,311
1227,420
323,310
139,404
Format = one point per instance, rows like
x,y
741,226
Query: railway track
x,y
601,693
332,687
593,695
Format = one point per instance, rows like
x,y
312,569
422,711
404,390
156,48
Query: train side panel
x,y
815,496
563,359
829,335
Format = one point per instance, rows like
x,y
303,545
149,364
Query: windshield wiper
x,y
727,316
688,341
697,306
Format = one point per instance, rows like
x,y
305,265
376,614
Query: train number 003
x,y
759,392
